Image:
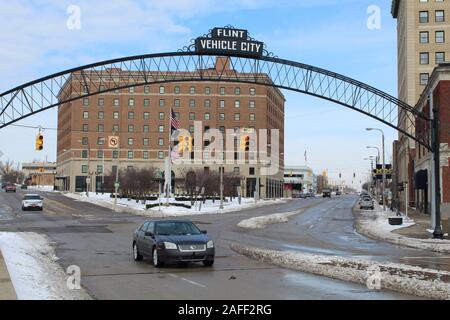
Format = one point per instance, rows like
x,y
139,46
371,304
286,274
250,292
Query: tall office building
x,y
140,117
423,31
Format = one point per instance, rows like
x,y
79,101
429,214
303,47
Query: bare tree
x,y
9,174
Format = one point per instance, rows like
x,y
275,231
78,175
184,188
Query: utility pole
x,y
435,172
221,187
384,166
88,179
116,183
103,170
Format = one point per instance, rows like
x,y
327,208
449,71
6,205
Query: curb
x,y
361,226
426,283
7,291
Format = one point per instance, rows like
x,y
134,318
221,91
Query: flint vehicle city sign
x,y
229,41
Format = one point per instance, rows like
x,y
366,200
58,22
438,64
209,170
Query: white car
x,y
367,203
32,201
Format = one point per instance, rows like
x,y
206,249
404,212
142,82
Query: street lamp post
x,y
384,166
371,158
376,162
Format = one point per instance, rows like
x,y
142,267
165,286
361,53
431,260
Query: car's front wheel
x,y
156,260
208,263
136,255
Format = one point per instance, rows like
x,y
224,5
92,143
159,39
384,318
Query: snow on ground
x,y
374,224
403,278
41,188
31,263
262,222
132,207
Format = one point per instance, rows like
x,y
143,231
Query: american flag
x,y
174,122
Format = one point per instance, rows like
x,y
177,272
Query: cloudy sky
x,y
331,34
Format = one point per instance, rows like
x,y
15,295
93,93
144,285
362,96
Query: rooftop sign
x,y
229,41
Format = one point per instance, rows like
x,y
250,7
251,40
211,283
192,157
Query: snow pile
x,y
402,278
374,224
41,188
31,263
262,222
138,208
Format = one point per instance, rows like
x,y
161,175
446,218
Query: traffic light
x,y
354,175
185,143
340,175
180,144
245,143
40,142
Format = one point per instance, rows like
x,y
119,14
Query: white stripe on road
x,y
186,280
193,282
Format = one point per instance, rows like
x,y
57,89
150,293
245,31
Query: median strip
x,y
427,283
264,221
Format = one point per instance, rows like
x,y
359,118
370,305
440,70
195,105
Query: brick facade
x,y
440,86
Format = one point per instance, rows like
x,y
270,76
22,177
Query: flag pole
x,y
169,160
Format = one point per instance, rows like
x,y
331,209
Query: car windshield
x,y
176,228
32,198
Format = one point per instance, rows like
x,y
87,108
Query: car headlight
x,y
170,246
210,244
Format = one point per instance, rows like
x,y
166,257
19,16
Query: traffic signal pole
x,y
435,172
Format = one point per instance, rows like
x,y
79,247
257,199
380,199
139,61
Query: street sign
x,y
113,142
378,172
225,41
88,180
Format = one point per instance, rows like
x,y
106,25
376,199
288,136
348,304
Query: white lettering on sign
x,y
219,44
230,33
250,46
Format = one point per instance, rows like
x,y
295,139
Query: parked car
x,y
338,193
367,203
310,195
10,187
32,201
172,241
326,193
24,187
303,195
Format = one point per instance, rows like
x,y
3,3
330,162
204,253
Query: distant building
x,y
298,179
39,173
322,183
140,115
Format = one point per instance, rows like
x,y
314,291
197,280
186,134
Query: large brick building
x,y
423,30
439,85
140,115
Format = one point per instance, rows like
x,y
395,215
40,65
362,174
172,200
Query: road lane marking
x,y
186,280
193,282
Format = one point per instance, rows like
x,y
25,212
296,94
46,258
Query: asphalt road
x,y
99,242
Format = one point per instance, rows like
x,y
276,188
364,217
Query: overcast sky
x,y
331,34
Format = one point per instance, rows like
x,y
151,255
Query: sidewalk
x,y
6,288
419,230
413,233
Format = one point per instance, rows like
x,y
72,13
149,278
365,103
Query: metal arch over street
x,y
48,92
